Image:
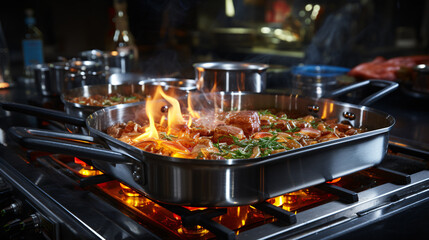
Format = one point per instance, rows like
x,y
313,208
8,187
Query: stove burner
x,y
319,205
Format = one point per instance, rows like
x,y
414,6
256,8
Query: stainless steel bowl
x,y
231,76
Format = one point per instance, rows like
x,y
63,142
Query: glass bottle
x,y
123,38
32,44
5,78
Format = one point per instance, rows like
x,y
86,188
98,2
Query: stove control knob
x,y
32,222
11,226
15,208
18,226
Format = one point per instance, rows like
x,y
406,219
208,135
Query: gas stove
x,y
54,196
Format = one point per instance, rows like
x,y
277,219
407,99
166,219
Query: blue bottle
x,y
32,44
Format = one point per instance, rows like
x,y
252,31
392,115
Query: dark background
x,y
171,34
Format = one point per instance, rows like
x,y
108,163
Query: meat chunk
x,y
224,134
205,126
116,130
247,120
310,132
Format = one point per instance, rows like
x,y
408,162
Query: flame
x,y
174,114
128,191
86,170
150,132
177,124
192,113
80,162
214,88
4,85
334,180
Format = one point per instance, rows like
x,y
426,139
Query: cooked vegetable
x,y
107,100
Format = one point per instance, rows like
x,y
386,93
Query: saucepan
x,y
231,76
80,111
417,83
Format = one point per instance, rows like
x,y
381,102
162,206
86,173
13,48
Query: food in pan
x,y
107,100
230,135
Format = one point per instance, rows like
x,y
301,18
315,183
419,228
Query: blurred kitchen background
x,y
171,35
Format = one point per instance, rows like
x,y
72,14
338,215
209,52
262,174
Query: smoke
x,y
348,34
164,64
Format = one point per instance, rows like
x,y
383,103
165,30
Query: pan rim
x,y
148,156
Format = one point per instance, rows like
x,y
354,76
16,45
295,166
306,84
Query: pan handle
x,y
43,113
60,142
388,87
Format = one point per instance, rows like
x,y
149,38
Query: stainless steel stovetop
x,y
53,203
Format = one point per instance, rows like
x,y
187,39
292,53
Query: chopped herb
x,y
115,99
265,112
169,137
200,155
107,103
295,129
245,147
129,98
314,124
274,131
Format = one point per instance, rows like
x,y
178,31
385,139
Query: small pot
x,y
175,83
74,73
231,76
420,79
415,81
45,85
316,80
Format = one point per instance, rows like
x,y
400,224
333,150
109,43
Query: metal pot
x,y
178,83
231,76
126,78
45,85
316,80
420,79
71,74
415,81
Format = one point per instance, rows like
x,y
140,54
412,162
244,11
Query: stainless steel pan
x,y
75,113
233,182
144,88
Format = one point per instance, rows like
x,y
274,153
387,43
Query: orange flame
x,y
192,113
176,123
174,114
334,180
4,85
150,132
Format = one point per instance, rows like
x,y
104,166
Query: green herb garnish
x,y
265,112
115,99
129,98
245,147
295,129
168,137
